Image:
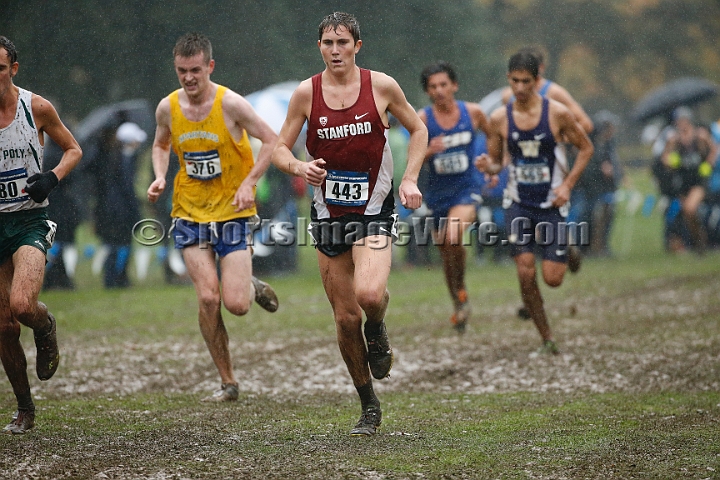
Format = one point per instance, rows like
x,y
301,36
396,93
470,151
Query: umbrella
x,y
272,103
111,116
491,101
666,98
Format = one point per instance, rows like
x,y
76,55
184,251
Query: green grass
x,y
646,335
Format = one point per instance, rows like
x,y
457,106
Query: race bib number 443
x,y
349,189
202,165
12,184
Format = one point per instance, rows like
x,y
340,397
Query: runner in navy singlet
x,y
553,91
454,185
350,167
537,189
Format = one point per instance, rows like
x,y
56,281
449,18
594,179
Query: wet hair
x,y
537,51
524,61
439,67
9,48
340,19
191,44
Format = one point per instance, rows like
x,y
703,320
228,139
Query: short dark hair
x,y
191,44
535,50
438,67
524,61
9,47
340,19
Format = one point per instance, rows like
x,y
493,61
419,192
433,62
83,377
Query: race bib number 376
x,y
202,165
12,184
349,189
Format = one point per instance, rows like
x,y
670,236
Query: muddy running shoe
x,y
524,313
265,295
574,258
22,421
549,348
369,422
460,318
380,354
48,354
228,392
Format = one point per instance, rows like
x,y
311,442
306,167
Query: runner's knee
x,y
553,280
238,306
209,301
369,298
22,309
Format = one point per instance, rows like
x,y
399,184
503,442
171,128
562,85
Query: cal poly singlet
x,y
212,164
534,171
353,143
21,157
453,171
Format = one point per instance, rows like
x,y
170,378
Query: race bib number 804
x,y
349,189
202,165
12,184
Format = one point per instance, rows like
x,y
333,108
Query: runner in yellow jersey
x,y
207,125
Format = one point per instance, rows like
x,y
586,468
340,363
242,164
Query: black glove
x,y
39,185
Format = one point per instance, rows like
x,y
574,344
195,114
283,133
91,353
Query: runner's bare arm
x,y
398,105
491,163
480,121
572,131
160,149
247,118
558,93
282,157
49,122
436,144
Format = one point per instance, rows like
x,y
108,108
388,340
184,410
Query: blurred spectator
x,y
688,156
64,209
713,193
117,208
593,198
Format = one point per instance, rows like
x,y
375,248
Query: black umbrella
x,y
666,98
111,116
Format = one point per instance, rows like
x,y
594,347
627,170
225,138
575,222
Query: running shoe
x,y
574,258
265,295
380,354
228,392
549,347
22,421
461,316
463,309
48,354
524,313
369,422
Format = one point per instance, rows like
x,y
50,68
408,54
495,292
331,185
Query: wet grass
x,y
646,330
663,435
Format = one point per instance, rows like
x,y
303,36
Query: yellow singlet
x,y
212,165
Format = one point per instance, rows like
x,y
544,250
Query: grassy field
x,y
634,394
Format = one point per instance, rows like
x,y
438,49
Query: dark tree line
x,y
608,53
